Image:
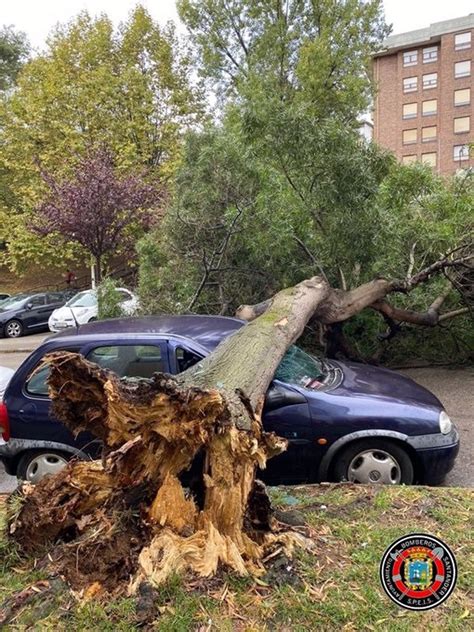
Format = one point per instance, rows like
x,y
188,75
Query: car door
x,y
34,314
286,413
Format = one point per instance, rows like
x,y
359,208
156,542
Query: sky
x,y
37,17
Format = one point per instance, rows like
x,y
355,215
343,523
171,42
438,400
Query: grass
x,y
337,587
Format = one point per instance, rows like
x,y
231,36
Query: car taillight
x,y
4,423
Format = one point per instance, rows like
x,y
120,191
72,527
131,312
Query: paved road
x,y
454,387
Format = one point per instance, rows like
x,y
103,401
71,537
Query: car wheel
x,y
13,329
35,465
374,461
92,320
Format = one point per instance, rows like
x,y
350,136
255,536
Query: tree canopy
x,y
129,88
96,208
14,48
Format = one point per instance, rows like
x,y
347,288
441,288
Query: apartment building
x,y
425,94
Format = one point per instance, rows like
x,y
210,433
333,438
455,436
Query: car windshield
x,y
300,368
14,302
83,299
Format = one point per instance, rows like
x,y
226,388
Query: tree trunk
x,y
128,516
98,269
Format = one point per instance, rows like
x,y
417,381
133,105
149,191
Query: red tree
x,y
96,206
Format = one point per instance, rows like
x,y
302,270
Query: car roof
x,y
208,331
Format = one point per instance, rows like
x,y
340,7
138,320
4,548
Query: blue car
x,y
343,421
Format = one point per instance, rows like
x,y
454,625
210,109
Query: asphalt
x,y
453,386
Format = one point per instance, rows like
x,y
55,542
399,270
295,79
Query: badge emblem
x,y
418,571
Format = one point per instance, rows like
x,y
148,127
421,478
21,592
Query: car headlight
x,y
445,423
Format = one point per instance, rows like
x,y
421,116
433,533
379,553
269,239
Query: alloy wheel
x,y
13,329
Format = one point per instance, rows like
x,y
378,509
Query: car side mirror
x,y
29,306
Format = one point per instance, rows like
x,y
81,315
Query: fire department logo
x,y
418,571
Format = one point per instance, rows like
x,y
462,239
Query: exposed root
x,y
128,519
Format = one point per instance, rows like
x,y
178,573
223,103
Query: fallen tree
x,y
127,519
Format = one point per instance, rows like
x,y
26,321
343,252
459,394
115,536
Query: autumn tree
x,y
98,208
129,88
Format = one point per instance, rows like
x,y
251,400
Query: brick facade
x,y
390,71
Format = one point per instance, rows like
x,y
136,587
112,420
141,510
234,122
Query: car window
x,y
299,368
37,300
128,360
56,297
185,359
83,299
14,302
37,382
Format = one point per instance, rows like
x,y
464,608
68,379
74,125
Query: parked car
x,y
343,421
3,296
83,308
28,313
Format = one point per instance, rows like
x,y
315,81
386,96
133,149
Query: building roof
x,y
428,35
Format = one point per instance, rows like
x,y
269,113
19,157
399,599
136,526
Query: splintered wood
x,y
131,517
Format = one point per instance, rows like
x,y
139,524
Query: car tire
x,y
92,320
374,461
34,465
13,329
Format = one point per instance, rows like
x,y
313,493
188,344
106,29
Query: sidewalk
x,y
25,344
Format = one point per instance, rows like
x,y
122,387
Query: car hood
x,y
364,380
64,313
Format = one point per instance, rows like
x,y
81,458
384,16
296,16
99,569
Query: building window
x,y
408,160
429,107
409,136
410,58
410,110
461,152
462,124
462,69
430,81
410,84
430,54
428,133
429,159
462,97
462,41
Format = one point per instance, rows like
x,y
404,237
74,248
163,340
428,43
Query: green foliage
x,y
129,89
108,299
14,48
302,50
284,187
238,223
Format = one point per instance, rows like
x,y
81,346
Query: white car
x,y
83,308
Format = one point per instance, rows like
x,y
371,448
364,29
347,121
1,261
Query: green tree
x,y
14,49
129,89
